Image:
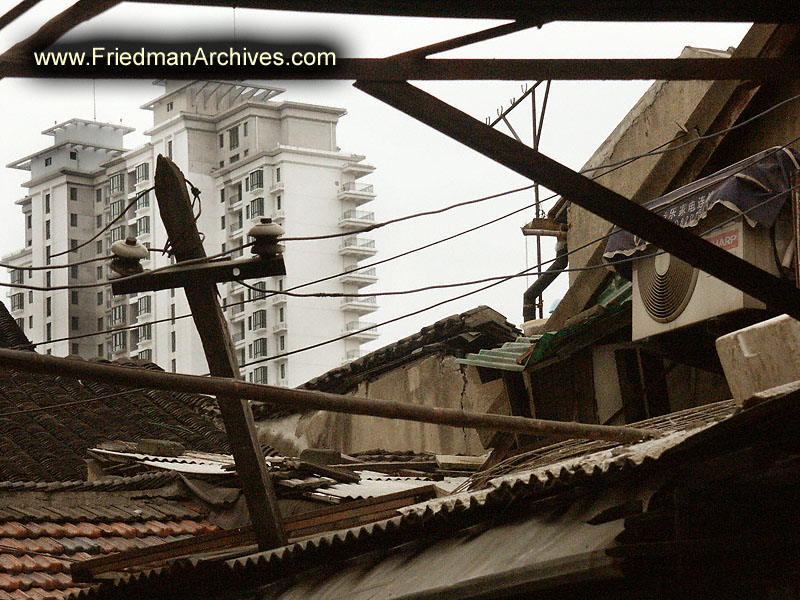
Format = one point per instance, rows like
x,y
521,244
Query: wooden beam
x,y
20,63
779,295
176,212
307,523
311,400
218,271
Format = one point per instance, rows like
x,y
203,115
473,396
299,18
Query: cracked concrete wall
x,y
434,380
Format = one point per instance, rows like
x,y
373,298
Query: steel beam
x,y
17,11
778,294
719,108
21,54
465,40
540,11
447,69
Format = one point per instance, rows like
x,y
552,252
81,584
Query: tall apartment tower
x,y
251,157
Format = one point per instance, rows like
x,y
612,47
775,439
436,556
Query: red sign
x,y
727,240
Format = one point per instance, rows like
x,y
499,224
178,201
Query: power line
x,y
503,279
243,246
99,284
426,213
302,285
360,267
73,403
53,267
499,280
369,265
108,226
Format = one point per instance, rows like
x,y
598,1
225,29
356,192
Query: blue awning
x,y
758,187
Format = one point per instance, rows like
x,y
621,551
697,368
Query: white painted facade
x,y
251,157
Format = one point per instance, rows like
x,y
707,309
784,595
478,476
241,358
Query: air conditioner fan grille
x,y
665,285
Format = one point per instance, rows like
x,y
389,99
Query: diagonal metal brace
x,y
777,294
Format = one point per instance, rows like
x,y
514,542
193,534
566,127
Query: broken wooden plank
x,y
318,521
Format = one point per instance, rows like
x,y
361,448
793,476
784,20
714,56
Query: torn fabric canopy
x,y
756,187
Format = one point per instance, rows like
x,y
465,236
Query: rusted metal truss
x,y
412,65
386,79
539,11
452,69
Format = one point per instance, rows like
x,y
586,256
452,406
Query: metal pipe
x,y
543,281
228,389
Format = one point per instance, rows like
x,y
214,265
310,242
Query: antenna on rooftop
x,y
94,99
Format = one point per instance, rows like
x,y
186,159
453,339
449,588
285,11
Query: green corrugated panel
x,y
614,298
503,358
490,363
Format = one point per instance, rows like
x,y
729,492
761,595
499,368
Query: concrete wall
x,y
653,121
434,380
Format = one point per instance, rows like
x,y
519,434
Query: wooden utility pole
x,y
176,212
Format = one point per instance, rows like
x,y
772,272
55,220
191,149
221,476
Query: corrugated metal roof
x,y
617,297
539,547
204,463
374,484
446,515
371,484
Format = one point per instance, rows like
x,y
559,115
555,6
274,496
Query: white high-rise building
x,y
251,157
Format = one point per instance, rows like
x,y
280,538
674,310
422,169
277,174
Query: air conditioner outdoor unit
x,y
742,209
668,293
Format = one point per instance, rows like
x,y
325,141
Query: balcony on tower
x,y
360,304
357,246
350,356
358,193
355,219
366,331
359,276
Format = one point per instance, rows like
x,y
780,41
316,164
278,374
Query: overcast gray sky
x,y
417,168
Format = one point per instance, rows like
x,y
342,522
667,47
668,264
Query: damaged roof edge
x,y
492,326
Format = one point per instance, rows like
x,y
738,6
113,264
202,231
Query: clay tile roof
x,y
50,445
36,562
470,331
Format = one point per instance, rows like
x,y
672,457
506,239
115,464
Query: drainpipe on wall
x,y
544,280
